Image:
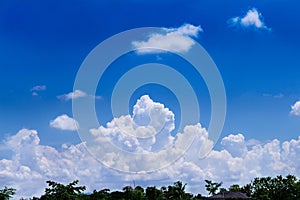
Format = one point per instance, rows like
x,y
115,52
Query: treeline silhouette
x,y
264,188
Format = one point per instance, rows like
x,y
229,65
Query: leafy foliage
x,y
212,187
264,188
7,193
275,188
63,192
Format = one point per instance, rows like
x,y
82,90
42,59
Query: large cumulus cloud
x,y
32,163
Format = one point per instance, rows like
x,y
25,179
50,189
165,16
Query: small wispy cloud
x,y
34,90
72,95
252,19
172,39
276,96
75,95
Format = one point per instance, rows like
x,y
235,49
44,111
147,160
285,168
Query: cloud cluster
x,y
32,164
252,19
172,39
64,122
295,109
144,140
180,40
238,161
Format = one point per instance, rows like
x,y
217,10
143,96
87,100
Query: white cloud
x,y
72,95
172,39
238,162
33,164
64,122
75,95
147,133
235,145
37,88
253,19
295,109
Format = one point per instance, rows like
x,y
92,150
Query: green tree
x,y
128,190
63,192
247,189
235,188
100,195
152,193
138,193
117,195
212,187
7,193
275,188
177,191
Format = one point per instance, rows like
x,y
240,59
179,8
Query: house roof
x,y
229,195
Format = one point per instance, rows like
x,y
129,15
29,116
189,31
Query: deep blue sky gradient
x,y
45,42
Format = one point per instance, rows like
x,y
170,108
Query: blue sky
x,y
44,44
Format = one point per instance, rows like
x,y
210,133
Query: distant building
x,y
229,195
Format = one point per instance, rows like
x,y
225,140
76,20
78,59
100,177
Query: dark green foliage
x,y
246,189
101,195
222,190
7,193
212,187
117,195
265,188
235,188
275,188
176,191
62,192
138,193
152,193
198,197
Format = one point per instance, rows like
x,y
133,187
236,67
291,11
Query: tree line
x,y
264,188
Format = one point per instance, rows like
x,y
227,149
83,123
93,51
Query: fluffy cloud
x,y
147,134
253,19
235,145
64,122
173,39
295,109
31,163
